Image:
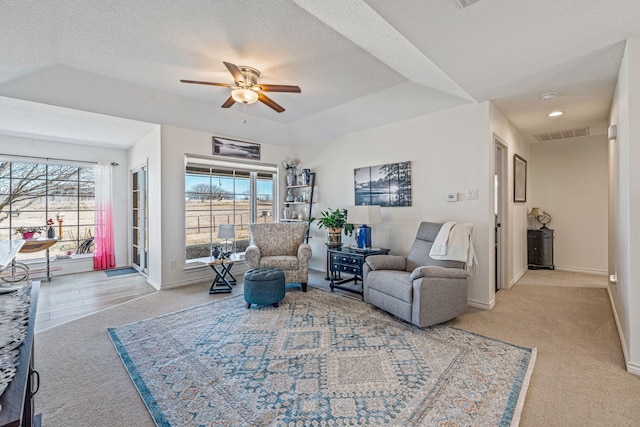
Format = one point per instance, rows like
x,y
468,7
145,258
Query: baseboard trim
x,y
237,270
581,270
632,368
318,269
517,277
154,283
481,305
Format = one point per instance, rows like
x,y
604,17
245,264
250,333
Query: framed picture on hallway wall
x,y
519,179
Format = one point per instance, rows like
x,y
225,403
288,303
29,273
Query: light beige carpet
x,y
579,378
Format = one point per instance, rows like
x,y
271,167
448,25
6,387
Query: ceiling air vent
x,y
466,3
562,134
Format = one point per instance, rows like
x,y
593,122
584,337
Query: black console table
x,y
540,248
349,260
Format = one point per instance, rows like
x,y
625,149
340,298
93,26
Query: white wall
x,y
624,202
569,181
449,152
515,220
44,148
175,144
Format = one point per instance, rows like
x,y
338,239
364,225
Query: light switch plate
x,y
472,194
452,197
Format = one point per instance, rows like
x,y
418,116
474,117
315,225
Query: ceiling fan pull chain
x,y
244,109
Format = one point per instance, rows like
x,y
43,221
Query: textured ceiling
x,y
360,64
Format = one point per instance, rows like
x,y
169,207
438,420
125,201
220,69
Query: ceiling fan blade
x,y
228,103
269,102
235,72
206,83
280,88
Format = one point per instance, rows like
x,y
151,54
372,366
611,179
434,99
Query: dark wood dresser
x,y
540,248
349,260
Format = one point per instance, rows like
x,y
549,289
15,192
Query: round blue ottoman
x,y
263,286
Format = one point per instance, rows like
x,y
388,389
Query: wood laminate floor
x,y
71,296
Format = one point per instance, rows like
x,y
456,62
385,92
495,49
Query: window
x,y
32,193
225,193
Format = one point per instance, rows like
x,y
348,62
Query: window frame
x,y
48,202
255,172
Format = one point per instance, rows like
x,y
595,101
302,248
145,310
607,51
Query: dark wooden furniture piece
x,y
327,267
349,260
17,399
540,248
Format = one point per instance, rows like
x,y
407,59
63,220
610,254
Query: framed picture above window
x,y
519,179
234,148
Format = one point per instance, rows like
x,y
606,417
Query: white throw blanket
x,y
454,242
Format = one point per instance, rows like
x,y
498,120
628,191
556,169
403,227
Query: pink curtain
x,y
104,256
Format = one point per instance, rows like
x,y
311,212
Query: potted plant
x,y
28,232
335,221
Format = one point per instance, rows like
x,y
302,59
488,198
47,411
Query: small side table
x,y
349,260
327,269
37,245
224,280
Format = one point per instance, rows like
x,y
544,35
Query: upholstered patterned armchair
x,y
281,245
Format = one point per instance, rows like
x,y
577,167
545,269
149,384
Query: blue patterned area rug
x,y
318,360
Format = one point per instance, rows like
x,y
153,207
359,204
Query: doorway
x,y
500,203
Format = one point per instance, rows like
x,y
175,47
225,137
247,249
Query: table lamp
x,y
364,215
535,212
226,232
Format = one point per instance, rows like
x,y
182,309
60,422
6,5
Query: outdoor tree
x,y
206,192
32,182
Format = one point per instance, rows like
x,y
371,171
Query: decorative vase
x,y
289,197
51,233
306,176
291,177
334,237
215,252
27,235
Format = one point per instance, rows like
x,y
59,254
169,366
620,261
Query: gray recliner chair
x,y
418,288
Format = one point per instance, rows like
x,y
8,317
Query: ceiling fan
x,y
246,88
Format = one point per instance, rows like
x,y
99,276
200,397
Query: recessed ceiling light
x,y
555,113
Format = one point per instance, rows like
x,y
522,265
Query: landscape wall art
x,y
385,185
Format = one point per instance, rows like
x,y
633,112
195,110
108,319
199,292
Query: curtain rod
x,y
53,158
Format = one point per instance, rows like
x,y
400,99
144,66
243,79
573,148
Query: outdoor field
x,y
202,222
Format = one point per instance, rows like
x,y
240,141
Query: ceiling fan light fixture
x,y
246,96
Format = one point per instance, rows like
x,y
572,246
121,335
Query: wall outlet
x,y
472,194
451,197
173,264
